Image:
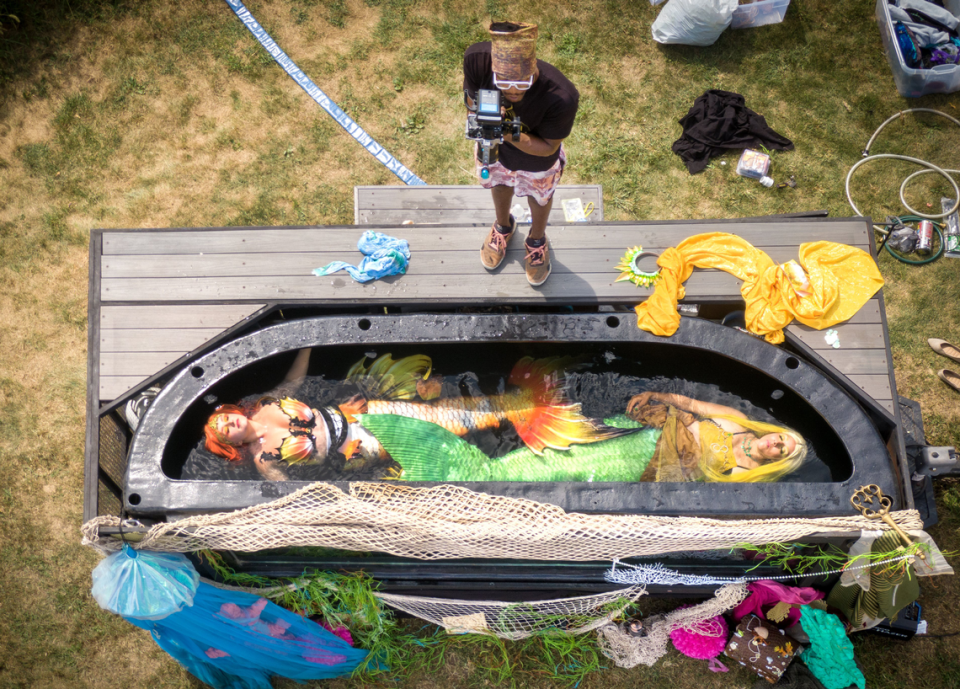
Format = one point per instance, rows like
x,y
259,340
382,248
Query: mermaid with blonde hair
x,y
713,442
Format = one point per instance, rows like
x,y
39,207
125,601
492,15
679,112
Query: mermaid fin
x,y
551,420
386,379
426,451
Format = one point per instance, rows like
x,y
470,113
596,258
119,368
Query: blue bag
x,y
147,585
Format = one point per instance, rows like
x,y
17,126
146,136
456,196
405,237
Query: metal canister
x,y
924,238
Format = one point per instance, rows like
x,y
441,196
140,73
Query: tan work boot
x,y
495,245
537,263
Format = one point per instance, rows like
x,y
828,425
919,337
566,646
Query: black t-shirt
x,y
547,109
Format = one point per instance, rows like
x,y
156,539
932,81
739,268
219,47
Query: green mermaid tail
x,y
428,452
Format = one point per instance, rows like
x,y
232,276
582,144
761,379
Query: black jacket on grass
x,y
719,121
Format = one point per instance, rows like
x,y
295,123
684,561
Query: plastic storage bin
x,y
759,13
914,83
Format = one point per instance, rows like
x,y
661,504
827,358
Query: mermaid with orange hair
x,y
279,431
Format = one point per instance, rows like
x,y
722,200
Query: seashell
x,y
762,632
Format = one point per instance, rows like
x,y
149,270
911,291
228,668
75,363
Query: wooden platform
x,y
455,205
157,295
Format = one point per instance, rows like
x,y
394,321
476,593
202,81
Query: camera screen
x,y
488,102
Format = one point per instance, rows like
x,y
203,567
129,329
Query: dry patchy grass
x,y
159,115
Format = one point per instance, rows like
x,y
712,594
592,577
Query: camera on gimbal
x,y
486,125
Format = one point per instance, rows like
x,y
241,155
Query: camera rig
x,y
485,125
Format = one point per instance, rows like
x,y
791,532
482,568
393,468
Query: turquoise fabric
x,y
830,656
384,255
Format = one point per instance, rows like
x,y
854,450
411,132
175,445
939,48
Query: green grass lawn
x,y
125,114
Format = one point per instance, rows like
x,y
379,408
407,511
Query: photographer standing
x,y
546,104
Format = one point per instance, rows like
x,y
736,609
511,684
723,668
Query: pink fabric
x,y
539,185
716,666
766,594
340,631
249,616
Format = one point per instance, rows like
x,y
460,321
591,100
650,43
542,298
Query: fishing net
x,y
448,522
628,651
517,620
511,621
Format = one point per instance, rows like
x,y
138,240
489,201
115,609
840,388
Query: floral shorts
x,y
539,185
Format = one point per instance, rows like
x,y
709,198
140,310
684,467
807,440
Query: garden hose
x,y
930,168
920,261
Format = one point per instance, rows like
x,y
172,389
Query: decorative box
x,y
761,647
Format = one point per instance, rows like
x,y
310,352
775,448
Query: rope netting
x,y
517,620
629,651
448,522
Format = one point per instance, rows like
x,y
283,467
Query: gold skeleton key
x,y
864,496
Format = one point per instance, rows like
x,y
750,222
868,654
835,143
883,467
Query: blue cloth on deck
x,y
385,255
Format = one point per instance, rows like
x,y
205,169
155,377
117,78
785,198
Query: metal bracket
x,y
938,461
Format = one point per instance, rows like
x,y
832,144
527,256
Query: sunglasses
x,y
503,84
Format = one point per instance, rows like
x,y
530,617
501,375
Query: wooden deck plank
x,y
509,285
505,285
857,361
851,336
112,387
181,340
142,364
466,217
457,261
180,316
763,235
450,196
454,204
875,385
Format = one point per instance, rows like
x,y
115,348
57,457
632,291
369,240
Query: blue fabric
x,y
230,640
145,584
385,255
908,48
234,640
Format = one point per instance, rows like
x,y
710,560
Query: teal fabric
x,y
830,656
384,256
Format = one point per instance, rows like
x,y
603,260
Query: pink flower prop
x,y
707,642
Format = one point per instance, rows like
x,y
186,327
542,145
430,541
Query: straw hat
x,y
514,49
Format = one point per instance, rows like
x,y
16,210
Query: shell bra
x,y
301,444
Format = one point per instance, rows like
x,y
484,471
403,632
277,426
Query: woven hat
x,y
514,49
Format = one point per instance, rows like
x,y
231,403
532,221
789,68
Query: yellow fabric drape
x,y
841,280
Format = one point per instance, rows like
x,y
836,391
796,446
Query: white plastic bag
x,y
693,22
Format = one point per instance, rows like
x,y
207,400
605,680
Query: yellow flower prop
x,y
632,273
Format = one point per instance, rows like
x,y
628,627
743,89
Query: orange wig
x,y
215,442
